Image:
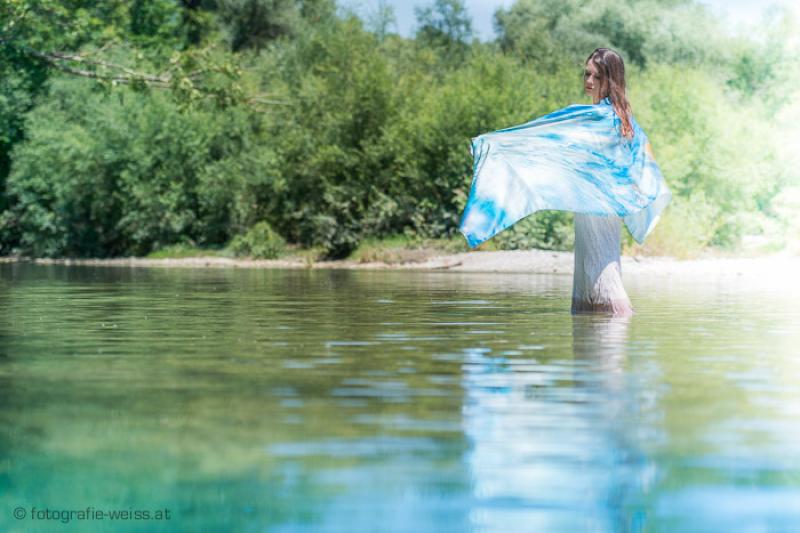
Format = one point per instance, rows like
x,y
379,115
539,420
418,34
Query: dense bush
x,y
717,152
260,242
367,135
102,176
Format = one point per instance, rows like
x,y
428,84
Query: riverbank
x,y
516,261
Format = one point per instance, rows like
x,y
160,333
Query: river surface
x,y
341,400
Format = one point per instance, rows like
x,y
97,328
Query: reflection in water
x,y
602,344
548,446
600,341
407,401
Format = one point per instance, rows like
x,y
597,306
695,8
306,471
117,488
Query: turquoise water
x,y
314,400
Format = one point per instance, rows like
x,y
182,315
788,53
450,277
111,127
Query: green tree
x,y
102,176
381,20
254,23
551,32
303,120
446,26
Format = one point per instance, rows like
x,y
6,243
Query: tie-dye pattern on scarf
x,y
573,159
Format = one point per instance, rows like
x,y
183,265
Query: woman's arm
x,y
649,150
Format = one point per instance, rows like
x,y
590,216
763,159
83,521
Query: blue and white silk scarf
x,y
573,159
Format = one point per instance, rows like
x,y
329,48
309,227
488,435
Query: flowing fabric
x,y
573,159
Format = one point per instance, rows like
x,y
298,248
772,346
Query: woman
x,y
593,160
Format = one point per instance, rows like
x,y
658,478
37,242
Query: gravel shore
x,y
519,261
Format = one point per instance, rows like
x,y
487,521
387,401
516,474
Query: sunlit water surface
x,y
313,400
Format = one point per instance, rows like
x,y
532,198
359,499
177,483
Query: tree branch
x,y
53,56
56,59
260,100
65,62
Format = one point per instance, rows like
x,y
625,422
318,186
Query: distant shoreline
x,y
514,261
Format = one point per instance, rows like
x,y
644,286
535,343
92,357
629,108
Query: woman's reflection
x,y
600,342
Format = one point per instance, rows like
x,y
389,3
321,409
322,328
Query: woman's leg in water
x,y
597,279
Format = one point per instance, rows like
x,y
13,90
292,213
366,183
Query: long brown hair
x,y
611,73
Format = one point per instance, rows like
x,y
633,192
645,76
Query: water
x,y
312,400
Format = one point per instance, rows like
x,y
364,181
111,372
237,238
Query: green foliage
x,y
176,251
281,120
329,170
102,176
396,249
703,150
430,139
17,93
114,42
545,230
686,229
254,23
445,25
766,69
260,242
551,32
381,19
